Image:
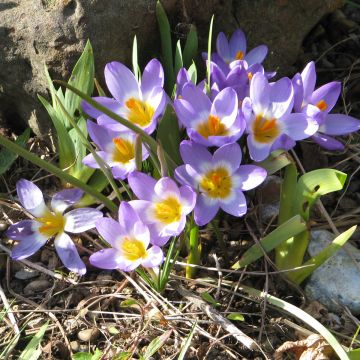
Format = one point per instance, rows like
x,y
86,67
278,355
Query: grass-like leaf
x,y
192,70
178,57
276,161
156,344
187,343
135,62
208,72
194,251
191,47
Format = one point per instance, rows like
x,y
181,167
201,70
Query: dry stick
x,y
214,315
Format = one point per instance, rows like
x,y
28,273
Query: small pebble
x,y
3,225
88,334
36,286
26,274
74,345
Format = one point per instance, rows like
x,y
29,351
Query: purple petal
x,y
90,161
225,106
298,92
236,206
141,233
109,103
281,97
128,217
80,220
194,155
198,99
105,259
256,55
65,198
152,77
188,199
250,176
339,124
329,93
220,62
141,208
166,185
309,80
110,230
237,43
68,254
258,151
185,112
154,258
260,93
205,210
31,198
121,81
222,46
100,135
186,175
121,173
327,142
111,124
27,247
142,185
229,154
155,238
299,126
283,142
21,230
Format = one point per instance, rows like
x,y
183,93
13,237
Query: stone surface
x,y
88,334
36,286
53,32
337,282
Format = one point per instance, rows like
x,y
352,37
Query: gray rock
x,y
36,286
337,282
26,273
89,334
54,32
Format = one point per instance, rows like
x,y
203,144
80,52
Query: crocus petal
x,y
256,55
120,173
141,207
299,126
153,76
27,247
100,135
165,186
141,233
185,112
31,198
250,176
105,259
110,230
65,198
237,205
308,76
205,210
222,46
128,217
68,254
229,154
109,103
80,220
199,100
21,230
188,199
121,81
281,97
195,155
260,93
298,92
339,124
185,174
237,43
283,142
154,258
329,93
142,185
258,152
90,161
327,142
111,124
225,106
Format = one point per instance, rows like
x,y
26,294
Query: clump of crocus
x,y
129,239
49,223
219,179
318,103
210,123
269,121
117,150
162,205
140,103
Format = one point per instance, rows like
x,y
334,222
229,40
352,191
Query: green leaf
x,y
165,269
300,275
156,344
129,303
236,316
282,233
354,354
192,71
7,157
135,62
178,57
187,343
124,355
194,256
191,47
277,160
168,134
82,77
113,330
166,47
209,299
32,351
208,72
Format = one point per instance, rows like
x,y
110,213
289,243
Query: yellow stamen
x,y
140,112
212,127
265,130
250,76
217,183
168,210
133,249
124,150
52,224
239,55
322,105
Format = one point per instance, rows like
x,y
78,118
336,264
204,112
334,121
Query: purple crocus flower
x,y
318,103
33,234
117,150
270,124
219,178
129,239
210,123
140,104
182,79
162,205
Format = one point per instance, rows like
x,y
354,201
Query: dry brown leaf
x,y
314,347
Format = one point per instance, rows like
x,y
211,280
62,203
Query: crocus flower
x,y
219,178
318,103
140,104
33,234
210,123
270,123
182,79
129,239
117,150
162,205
